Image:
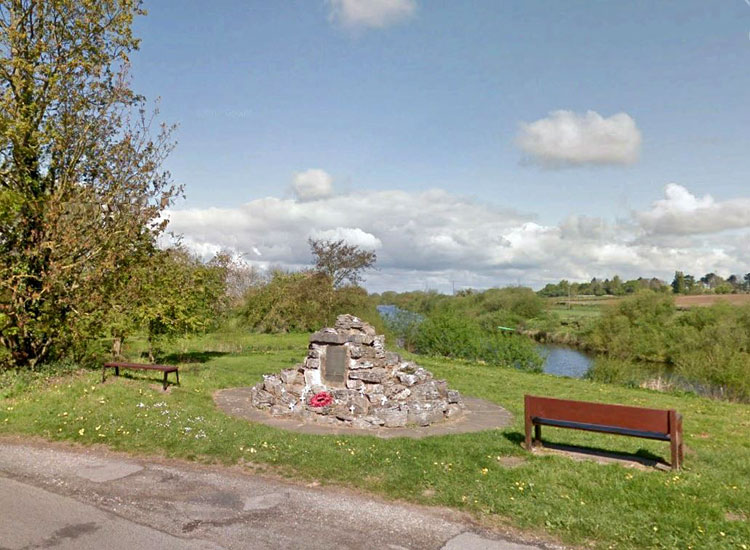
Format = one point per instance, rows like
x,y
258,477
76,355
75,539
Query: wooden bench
x,y
166,369
663,425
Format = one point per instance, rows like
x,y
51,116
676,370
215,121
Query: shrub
x,y
450,334
636,327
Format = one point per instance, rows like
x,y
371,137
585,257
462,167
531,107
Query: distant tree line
x,y
710,283
604,287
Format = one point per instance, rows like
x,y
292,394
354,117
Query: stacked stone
x,y
379,389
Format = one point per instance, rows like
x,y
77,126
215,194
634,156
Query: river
x,y
559,360
564,361
569,362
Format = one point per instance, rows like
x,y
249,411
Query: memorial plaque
x,y
334,367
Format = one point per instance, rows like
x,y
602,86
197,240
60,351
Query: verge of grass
x,y
600,506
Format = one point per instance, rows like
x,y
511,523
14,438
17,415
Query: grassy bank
x,y
705,506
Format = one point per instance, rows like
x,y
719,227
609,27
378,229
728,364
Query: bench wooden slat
x,y
162,368
634,418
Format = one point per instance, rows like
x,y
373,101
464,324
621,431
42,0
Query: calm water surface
x,y
559,360
564,361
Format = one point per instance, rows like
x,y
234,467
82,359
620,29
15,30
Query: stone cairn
x,y
348,378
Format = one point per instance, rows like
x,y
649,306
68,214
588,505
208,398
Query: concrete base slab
x,y
480,415
601,456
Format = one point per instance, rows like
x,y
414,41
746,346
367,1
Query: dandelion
x,y
81,431
484,471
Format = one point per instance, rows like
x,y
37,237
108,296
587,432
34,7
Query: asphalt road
x,y
59,497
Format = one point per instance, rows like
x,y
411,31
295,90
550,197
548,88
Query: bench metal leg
x,y
104,374
538,433
165,381
674,440
117,371
177,374
527,423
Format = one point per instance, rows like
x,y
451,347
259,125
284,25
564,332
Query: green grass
x,y
707,505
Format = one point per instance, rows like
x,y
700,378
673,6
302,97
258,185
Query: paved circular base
x,y
479,415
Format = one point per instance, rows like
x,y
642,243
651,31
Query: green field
x,y
707,505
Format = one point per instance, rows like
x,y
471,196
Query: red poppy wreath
x,y
321,399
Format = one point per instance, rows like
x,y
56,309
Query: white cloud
x,y
566,138
312,185
431,239
682,213
351,235
370,13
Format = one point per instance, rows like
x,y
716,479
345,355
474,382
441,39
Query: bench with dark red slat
x,y
660,424
166,369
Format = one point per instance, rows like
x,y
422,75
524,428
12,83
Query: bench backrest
x,y
125,365
633,418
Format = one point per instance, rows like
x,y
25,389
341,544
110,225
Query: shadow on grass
x,y
597,454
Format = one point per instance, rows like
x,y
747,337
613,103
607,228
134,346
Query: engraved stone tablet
x,y
334,368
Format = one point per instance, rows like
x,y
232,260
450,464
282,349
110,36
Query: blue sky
x,y
447,108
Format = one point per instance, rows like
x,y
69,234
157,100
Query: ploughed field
x,y
487,474
711,299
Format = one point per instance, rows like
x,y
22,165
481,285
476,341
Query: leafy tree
x,y
172,293
678,283
340,261
631,287
735,282
81,188
303,301
615,286
712,280
691,286
178,294
555,290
